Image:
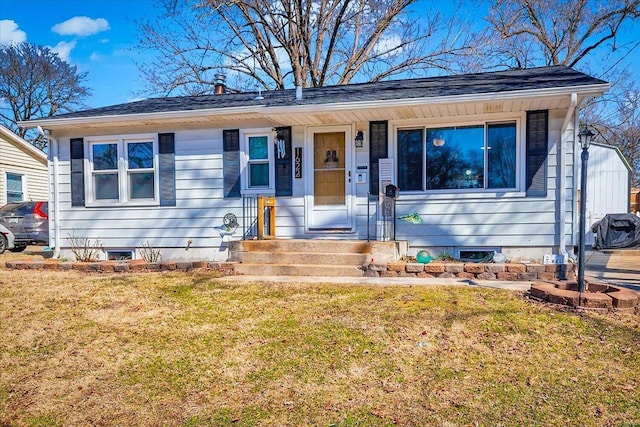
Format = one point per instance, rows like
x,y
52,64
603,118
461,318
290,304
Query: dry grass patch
x,y
191,350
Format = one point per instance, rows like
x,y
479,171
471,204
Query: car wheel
x,y
18,248
3,244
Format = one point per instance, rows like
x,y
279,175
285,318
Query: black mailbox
x,y
391,191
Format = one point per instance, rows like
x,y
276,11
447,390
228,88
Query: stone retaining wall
x,y
225,268
481,271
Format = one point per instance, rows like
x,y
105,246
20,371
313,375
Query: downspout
x,y
53,153
562,175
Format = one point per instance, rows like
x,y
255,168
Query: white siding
x,y
507,221
13,159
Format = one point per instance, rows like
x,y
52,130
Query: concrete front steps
x,y
313,257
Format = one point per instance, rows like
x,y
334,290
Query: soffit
x,y
421,111
319,115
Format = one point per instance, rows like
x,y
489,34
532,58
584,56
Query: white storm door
x,y
330,195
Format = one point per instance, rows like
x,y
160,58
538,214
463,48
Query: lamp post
x,y
585,136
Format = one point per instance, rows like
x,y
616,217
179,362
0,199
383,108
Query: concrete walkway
x,y
620,267
617,267
401,281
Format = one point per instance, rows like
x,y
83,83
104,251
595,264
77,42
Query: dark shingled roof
x,y
465,84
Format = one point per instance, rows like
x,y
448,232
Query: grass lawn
x,y
187,349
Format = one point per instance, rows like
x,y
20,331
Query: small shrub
x,y
84,249
149,253
445,256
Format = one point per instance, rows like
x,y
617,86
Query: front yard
x,y
187,349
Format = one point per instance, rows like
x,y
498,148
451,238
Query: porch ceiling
x,y
423,111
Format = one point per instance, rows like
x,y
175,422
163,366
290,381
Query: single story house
x,y
23,170
479,162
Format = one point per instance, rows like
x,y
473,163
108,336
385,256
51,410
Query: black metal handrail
x,y
249,217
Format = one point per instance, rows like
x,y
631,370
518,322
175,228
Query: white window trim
x,y
123,170
244,162
23,178
518,192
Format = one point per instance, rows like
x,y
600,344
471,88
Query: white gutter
x,y
598,89
267,112
562,175
53,151
106,119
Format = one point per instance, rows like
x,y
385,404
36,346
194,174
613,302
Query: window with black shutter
x,y
117,170
378,149
283,162
167,169
537,151
231,162
77,172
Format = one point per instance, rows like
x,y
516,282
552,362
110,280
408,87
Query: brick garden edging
x,y
599,296
225,268
481,271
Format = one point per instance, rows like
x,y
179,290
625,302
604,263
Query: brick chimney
x,y
220,87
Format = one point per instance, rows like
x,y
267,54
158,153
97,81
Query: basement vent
x,y
476,255
119,255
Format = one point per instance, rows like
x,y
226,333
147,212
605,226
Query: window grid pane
x,y
140,155
456,159
258,148
259,175
410,155
105,157
106,186
501,162
141,185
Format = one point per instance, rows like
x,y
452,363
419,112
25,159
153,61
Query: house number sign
x,y
298,162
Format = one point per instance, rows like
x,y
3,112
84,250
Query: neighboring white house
x,y
23,169
484,161
608,185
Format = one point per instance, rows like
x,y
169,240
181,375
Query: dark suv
x,y
28,221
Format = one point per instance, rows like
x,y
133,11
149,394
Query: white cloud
x,y
388,45
81,26
63,49
10,34
94,56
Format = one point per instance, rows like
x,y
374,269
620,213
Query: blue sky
x,y
99,37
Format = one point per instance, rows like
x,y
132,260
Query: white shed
x,y
608,185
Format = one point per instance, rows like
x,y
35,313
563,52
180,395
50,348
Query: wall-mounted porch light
x,y
359,140
438,142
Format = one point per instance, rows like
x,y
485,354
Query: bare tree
x,y
550,32
35,82
618,123
580,34
275,44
